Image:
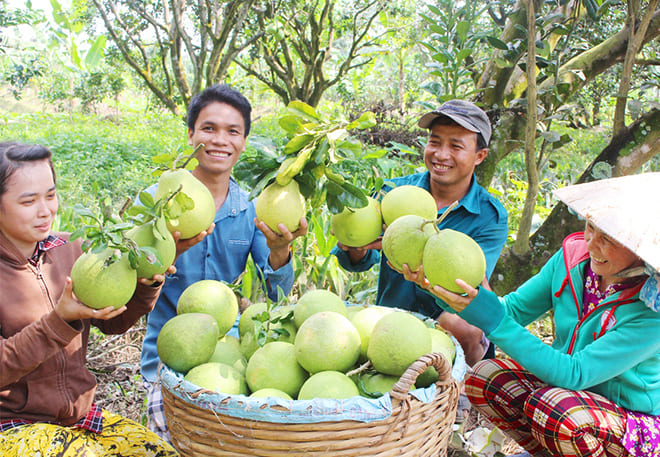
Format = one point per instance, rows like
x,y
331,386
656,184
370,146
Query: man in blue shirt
x,y
218,117
459,133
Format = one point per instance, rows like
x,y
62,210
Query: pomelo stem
x,y
442,216
192,155
360,369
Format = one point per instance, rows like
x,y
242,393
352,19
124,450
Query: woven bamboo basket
x,y
415,428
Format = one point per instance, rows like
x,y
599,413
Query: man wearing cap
x,y
459,133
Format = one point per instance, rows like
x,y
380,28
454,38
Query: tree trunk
x,y
626,153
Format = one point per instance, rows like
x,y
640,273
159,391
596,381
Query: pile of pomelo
x,y
302,351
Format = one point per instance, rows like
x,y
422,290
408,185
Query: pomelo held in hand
x,y
408,199
450,255
187,340
192,221
328,384
281,205
355,227
397,340
327,341
102,279
275,366
211,297
314,301
404,240
161,246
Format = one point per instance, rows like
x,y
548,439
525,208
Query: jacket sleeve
x,y
141,303
44,338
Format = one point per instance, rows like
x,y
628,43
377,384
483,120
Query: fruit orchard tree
x,y
566,62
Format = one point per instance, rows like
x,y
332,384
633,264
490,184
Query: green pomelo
x,y
397,340
327,341
232,340
450,255
440,342
404,241
281,205
230,355
365,321
355,227
187,340
315,301
217,377
211,297
162,249
376,384
192,221
275,366
408,199
352,310
328,384
265,393
246,322
98,285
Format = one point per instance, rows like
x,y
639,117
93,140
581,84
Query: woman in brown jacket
x,y
46,390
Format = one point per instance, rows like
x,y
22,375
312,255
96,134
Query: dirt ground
x,y
115,361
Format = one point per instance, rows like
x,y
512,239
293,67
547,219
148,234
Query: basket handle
x,y
401,388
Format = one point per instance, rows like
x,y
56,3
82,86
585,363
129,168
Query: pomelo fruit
x,y
99,284
281,204
397,340
404,240
328,384
187,340
246,321
232,340
230,355
365,321
265,393
327,341
217,377
317,300
275,366
161,246
408,199
211,297
440,342
376,384
192,221
450,255
355,227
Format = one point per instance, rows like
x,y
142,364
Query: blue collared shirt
x,y
222,256
478,214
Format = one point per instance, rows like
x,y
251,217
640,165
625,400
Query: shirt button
x,y
233,211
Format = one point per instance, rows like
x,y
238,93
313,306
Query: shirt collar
x,y
51,241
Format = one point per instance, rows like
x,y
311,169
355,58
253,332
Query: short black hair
x,y
222,93
14,155
444,120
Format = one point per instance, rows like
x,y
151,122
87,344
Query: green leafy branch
x,y
175,160
314,149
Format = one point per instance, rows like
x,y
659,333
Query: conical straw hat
x,y
626,209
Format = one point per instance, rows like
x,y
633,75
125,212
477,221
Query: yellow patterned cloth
x,y
120,437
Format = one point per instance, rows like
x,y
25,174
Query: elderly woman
x,y
596,390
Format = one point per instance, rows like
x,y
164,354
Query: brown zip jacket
x,y
43,372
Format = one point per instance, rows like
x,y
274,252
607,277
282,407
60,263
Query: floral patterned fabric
x,y
642,437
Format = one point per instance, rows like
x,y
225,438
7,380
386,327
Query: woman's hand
x,y
70,309
157,279
279,243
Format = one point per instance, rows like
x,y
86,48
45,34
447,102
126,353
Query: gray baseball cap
x,y
464,113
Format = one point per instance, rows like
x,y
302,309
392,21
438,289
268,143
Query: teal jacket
x,y
614,350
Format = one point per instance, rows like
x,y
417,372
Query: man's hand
x,y
70,309
183,245
157,278
279,243
358,253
